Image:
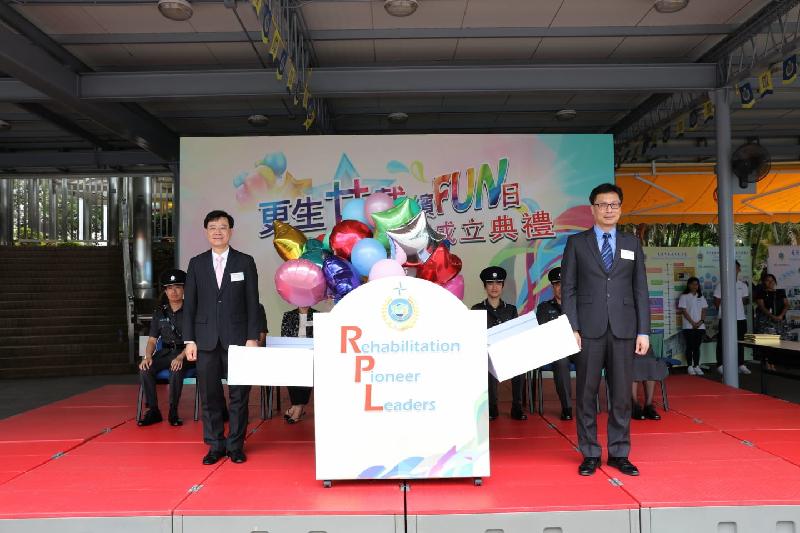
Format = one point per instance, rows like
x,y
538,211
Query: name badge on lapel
x,y
237,276
627,254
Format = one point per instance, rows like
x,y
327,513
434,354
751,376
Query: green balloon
x,y
326,242
415,208
316,256
393,218
313,244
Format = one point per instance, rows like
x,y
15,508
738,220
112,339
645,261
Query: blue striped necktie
x,y
606,252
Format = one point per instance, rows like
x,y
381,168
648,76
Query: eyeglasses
x,y
613,206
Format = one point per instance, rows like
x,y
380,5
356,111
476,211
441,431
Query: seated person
x,y
298,323
545,312
647,370
166,324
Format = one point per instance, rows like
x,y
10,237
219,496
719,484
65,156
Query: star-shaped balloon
x,y
289,241
293,188
392,218
441,266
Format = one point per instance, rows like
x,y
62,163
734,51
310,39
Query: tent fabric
x,y
688,195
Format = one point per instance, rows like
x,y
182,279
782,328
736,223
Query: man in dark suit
x,y
220,309
605,297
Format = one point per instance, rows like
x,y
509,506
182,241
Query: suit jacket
x,y
290,325
594,299
228,314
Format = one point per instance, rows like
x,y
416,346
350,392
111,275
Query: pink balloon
x,y
300,282
255,182
375,203
398,254
242,194
386,268
456,286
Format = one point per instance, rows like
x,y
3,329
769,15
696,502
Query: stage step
x,y
64,312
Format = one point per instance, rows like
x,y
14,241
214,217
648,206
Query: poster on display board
x,y
784,263
508,200
667,272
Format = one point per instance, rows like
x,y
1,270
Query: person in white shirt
x,y
692,306
742,296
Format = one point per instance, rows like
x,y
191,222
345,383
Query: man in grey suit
x,y
220,308
605,297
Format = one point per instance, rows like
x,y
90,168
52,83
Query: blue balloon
x,y
354,210
276,161
238,180
340,276
366,253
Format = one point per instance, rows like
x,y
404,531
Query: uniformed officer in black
x,y
545,312
166,324
497,312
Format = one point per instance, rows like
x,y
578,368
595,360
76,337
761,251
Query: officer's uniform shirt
x,y
548,310
503,313
171,338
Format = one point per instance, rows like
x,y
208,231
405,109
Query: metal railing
x,y
80,209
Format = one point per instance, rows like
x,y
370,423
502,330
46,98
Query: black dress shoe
x,y
174,419
518,414
623,465
152,416
650,413
589,466
637,413
213,456
237,456
566,413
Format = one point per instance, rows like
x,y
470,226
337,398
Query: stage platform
x,y
721,460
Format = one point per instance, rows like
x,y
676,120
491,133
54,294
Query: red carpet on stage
x,y
85,457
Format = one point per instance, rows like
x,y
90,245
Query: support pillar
x,y
6,213
142,238
113,211
52,216
727,250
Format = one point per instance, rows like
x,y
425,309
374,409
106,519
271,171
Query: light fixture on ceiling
x,y
258,120
400,8
179,10
397,117
5,126
566,114
670,6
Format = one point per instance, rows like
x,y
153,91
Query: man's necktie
x,y
606,252
218,270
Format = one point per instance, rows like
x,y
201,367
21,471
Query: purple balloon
x,y
300,282
340,276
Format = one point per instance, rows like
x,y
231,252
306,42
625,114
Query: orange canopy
x,y
687,194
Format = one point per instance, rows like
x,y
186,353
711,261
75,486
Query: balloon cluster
x,y
377,238
265,176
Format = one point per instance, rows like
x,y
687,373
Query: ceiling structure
x,y
93,84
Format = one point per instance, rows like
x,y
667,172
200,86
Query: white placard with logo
x,y
400,388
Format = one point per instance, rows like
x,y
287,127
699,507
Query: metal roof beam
x,y
36,68
343,82
116,158
400,33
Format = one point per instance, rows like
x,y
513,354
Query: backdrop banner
x,y
508,200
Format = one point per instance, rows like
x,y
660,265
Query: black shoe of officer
x,y
650,413
518,414
152,416
637,413
174,419
566,413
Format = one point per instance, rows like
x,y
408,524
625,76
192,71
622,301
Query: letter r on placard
x,y
356,334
